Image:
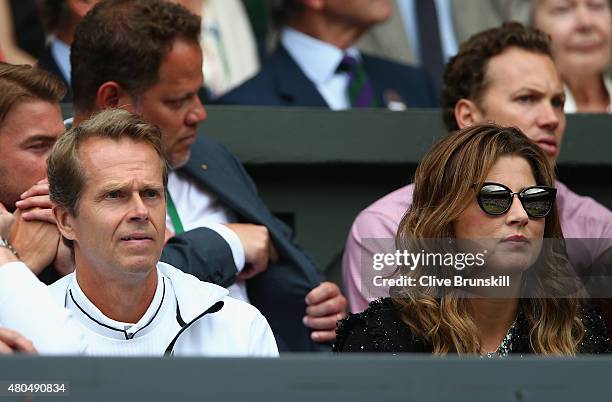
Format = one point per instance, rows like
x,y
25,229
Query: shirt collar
x,y
61,54
570,102
91,317
318,60
608,84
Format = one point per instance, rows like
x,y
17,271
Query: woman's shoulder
x,y
596,339
377,329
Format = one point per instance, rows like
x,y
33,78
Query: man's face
x,y
523,89
121,220
359,13
26,137
173,103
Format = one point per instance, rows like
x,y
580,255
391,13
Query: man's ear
x,y
467,113
64,222
112,95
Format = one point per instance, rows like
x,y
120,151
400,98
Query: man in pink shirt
x,y
505,75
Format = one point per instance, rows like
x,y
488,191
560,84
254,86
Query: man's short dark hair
x,y
464,76
54,14
124,41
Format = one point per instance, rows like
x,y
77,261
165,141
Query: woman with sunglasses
x,y
484,186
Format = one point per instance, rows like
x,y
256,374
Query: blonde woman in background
x,y
581,32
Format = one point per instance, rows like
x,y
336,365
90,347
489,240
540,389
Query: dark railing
x,y
311,378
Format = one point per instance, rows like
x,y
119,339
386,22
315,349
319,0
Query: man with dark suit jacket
x,y
316,63
150,62
428,32
60,19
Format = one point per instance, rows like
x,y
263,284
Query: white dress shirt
x,y
61,53
319,61
198,208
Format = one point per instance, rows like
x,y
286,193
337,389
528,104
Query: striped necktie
x,y
360,90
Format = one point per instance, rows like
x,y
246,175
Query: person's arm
x,y
203,253
371,233
26,305
353,336
352,270
261,339
325,302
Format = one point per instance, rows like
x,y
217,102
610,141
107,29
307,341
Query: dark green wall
x,y
318,169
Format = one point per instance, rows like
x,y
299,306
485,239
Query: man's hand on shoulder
x,y
258,248
326,305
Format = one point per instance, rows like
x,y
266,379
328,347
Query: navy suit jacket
x,y
47,62
281,82
279,293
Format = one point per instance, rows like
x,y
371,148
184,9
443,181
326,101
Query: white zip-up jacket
x,y
201,319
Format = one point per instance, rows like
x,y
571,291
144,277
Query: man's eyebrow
x,y
530,88
116,186
153,186
41,137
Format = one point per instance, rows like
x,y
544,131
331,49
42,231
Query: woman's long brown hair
x,y
444,187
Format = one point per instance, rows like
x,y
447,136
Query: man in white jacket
x,y
107,179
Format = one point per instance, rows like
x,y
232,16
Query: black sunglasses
x,y
496,199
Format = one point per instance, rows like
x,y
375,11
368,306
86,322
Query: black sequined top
x,y
380,329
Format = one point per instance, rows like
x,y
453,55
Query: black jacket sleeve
x,y
203,253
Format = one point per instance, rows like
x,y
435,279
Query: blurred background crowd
x,y
239,37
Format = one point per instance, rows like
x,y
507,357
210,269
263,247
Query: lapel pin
x,y
394,101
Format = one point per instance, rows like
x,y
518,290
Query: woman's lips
x,y
516,239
